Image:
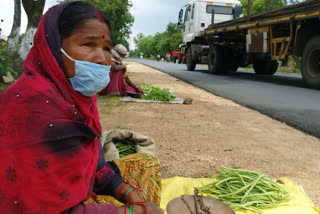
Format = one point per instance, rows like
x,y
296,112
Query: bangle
x,y
141,203
122,191
129,210
126,192
137,202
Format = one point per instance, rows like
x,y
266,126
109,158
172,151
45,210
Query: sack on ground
x,y
143,143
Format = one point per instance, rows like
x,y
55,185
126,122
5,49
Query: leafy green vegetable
x,y
157,94
243,189
125,147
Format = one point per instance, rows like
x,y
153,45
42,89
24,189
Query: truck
x,y
178,57
216,33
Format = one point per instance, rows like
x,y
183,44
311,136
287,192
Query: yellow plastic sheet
x,y
299,204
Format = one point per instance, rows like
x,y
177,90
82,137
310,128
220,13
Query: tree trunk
x,y
13,38
34,9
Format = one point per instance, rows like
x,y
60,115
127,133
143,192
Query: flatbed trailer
x,y
262,40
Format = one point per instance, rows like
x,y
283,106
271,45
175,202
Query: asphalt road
x,y
284,97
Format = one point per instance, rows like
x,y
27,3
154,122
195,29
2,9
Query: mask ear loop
x,y
69,57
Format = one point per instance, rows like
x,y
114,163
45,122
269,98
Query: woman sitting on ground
x,y
120,84
50,152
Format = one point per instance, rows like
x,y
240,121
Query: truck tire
x,y
310,65
265,67
191,65
179,59
234,68
174,60
231,65
216,60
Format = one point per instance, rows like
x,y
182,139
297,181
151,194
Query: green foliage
x,y
119,16
6,61
259,6
160,43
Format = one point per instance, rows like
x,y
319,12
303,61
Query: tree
x,y
259,6
160,43
119,16
34,10
13,38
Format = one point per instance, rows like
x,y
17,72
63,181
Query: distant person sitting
x,y
120,84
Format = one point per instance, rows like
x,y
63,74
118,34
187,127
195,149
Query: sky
x,y
151,16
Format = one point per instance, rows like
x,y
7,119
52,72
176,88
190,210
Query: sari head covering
x,y
48,132
116,51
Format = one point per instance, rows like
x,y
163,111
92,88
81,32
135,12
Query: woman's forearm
x,y
95,208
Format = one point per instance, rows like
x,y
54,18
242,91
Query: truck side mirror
x,y
212,16
237,11
180,17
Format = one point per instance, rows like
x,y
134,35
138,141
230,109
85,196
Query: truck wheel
x,y
234,68
191,65
174,60
179,59
310,65
231,65
265,67
215,60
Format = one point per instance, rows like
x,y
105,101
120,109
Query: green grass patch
x,y
130,73
120,127
3,86
108,103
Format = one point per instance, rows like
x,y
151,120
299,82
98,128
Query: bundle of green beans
x,y
125,147
156,93
245,190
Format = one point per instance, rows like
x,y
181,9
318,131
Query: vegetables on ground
x,y
157,94
245,190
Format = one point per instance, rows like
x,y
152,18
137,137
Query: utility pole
x,y
249,9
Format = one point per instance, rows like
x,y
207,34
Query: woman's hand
x,y
139,90
140,209
133,196
124,70
151,207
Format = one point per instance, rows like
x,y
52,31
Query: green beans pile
x,y
245,190
125,147
157,94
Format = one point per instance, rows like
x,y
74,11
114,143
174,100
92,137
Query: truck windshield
x,y
220,9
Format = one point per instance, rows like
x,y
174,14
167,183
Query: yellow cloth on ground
x,y
299,204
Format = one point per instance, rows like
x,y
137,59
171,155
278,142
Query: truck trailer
x,y
216,33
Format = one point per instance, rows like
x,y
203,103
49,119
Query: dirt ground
x,y
195,140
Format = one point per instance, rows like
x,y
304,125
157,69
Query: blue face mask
x,y
90,78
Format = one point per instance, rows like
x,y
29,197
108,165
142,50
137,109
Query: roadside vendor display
x,y
234,191
156,93
245,190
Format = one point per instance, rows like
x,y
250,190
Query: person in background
x,y
120,83
50,152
